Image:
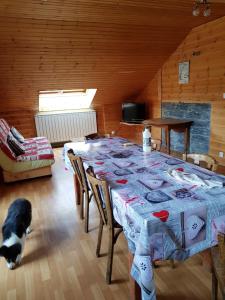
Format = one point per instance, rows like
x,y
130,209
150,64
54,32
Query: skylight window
x,y
66,99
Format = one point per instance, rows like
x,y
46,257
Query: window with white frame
x,y
59,100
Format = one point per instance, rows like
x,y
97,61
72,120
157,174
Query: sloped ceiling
x,y
115,46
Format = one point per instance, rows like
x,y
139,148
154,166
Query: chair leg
x,y
110,256
86,221
77,189
81,204
214,286
172,263
155,266
99,237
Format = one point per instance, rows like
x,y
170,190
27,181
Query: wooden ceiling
x,y
115,46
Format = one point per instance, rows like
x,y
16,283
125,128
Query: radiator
x,y
61,127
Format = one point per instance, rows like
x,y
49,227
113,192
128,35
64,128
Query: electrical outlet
x,y
223,95
221,154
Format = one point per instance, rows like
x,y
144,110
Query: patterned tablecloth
x,y
163,218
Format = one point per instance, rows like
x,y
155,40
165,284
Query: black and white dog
x,y
14,230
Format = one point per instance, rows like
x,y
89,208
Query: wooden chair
x,y
103,200
218,272
156,144
211,165
77,165
197,158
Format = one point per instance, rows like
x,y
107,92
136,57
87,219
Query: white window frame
x,y
65,100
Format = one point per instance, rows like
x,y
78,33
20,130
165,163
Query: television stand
x,y
131,124
169,124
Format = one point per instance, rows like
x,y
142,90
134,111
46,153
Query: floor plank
x,y
59,259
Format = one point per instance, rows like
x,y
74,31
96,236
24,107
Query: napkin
x,y
194,179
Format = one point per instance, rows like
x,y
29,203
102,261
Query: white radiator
x,y
61,127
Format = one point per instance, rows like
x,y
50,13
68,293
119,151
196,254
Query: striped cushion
x,y
15,145
17,135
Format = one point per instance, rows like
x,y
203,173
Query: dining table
x,y
168,208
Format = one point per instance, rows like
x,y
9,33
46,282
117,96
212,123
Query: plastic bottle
x,y
146,140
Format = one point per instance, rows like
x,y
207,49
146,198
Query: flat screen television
x,y
133,112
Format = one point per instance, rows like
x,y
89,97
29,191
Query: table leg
x,y
76,189
135,290
167,130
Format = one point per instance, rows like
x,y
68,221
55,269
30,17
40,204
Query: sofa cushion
x,y
17,135
15,145
37,148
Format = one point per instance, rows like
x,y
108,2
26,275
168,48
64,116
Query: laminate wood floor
x,y
59,259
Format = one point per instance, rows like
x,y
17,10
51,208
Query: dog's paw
x,y
28,231
11,265
19,259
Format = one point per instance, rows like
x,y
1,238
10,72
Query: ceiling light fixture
x,y
201,5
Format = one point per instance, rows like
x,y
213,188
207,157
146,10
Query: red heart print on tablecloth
x,y
162,215
122,181
180,169
99,163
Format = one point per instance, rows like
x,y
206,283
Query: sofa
x,y
35,161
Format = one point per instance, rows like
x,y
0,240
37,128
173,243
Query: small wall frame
x,y
184,72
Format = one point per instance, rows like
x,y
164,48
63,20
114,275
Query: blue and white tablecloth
x,y
163,218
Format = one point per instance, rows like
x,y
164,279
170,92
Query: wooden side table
x,y
172,124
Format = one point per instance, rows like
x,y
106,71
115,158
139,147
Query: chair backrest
x,y
102,197
197,158
221,244
156,144
77,165
96,136
91,136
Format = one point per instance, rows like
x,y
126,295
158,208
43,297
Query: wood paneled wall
x,y
23,120
114,46
207,78
152,95
204,47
